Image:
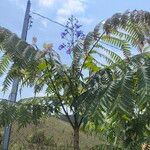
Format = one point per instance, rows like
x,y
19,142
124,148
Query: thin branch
x,y
81,121
59,97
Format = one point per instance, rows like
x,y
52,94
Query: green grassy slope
x,y
50,134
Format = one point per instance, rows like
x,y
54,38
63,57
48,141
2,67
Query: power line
x,y
50,20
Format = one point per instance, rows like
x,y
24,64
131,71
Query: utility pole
x,y
14,90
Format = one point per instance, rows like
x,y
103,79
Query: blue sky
x,y
89,13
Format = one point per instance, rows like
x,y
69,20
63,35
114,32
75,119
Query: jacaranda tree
x,y
72,89
99,81
88,88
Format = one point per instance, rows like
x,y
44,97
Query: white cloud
x,y
70,7
46,3
63,8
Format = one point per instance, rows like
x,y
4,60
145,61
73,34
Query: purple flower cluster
x,y
72,34
63,34
68,51
62,46
79,34
77,25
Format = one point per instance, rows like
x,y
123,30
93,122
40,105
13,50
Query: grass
x,y
50,134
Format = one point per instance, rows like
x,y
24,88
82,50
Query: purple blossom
x,y
71,34
77,26
62,46
63,34
68,51
79,33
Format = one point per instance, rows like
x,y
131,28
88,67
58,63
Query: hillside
x,y
50,134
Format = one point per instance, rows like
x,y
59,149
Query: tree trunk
x,y
76,138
